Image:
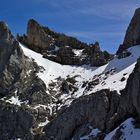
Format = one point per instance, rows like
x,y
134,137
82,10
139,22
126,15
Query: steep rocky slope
x,y
61,48
78,118
132,36
63,82
20,90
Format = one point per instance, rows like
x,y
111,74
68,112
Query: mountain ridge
x,y
42,99
61,48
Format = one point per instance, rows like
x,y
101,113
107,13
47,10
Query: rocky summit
x,y
132,36
61,48
55,87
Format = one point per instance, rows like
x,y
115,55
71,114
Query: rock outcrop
x,y
92,110
131,94
19,73
40,38
7,44
132,36
15,122
20,90
61,48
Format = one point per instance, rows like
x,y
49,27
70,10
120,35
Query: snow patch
x,y
93,134
44,123
129,132
112,80
77,52
14,100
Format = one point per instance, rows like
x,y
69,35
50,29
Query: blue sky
x,y
89,20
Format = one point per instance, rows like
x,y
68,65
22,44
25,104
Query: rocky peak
x,y
4,31
132,36
7,44
37,37
19,87
61,48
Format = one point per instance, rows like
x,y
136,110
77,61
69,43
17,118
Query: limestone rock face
x,y
20,90
11,59
37,37
18,73
7,44
61,48
96,56
132,36
15,122
132,90
102,105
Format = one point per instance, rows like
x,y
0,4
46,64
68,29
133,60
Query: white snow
x,y
123,68
14,100
128,131
43,123
77,52
92,134
109,75
39,105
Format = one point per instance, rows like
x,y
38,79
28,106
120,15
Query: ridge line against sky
x,y
88,20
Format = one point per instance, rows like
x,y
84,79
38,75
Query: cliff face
x,y
94,110
20,90
132,36
61,48
7,44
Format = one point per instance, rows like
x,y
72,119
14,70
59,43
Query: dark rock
x,y
118,134
37,37
19,73
132,36
102,105
123,79
123,54
65,87
132,89
60,48
7,44
18,78
97,57
15,122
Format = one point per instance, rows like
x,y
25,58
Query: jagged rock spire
x,y
7,44
132,36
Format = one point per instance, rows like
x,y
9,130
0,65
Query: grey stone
x,y
132,36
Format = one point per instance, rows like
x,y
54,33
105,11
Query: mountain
x,y
47,92
132,36
61,48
